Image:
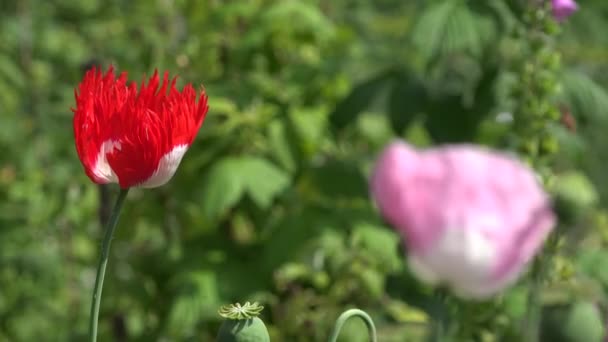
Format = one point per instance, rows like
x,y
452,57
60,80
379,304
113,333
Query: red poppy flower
x,y
134,137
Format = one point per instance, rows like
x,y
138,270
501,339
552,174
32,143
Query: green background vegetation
x,y
271,202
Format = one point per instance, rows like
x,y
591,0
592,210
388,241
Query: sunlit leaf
x,y
262,180
223,187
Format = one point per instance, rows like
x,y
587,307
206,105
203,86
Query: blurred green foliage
x,y
271,201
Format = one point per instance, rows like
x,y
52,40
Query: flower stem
x,y
533,315
348,314
103,262
441,328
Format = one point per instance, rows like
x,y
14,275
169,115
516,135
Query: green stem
x,y
348,314
533,315
441,330
103,262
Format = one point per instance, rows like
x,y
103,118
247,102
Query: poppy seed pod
x,y
242,324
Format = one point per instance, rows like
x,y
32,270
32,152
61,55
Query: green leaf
x,y
381,243
223,187
407,99
347,111
417,134
430,29
262,180
299,17
291,272
588,261
307,127
588,100
584,323
572,146
197,298
576,322
375,130
291,237
280,145
515,302
403,313
450,119
462,31
574,195
339,179
372,281
447,27
499,11
231,177
10,70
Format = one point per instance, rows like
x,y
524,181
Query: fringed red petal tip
x,y
134,136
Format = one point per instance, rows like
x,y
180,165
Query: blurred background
x,y
271,202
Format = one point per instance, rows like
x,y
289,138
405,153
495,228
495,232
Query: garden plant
x,y
304,170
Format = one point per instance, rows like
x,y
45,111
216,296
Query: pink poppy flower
x,y
471,218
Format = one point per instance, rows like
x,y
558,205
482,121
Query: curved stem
x,y
103,262
348,314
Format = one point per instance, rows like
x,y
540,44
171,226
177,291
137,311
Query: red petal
x,y
145,124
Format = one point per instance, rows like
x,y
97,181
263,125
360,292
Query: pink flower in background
x,y
562,9
471,218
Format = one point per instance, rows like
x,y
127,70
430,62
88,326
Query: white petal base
x,y
166,167
164,172
462,260
102,169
